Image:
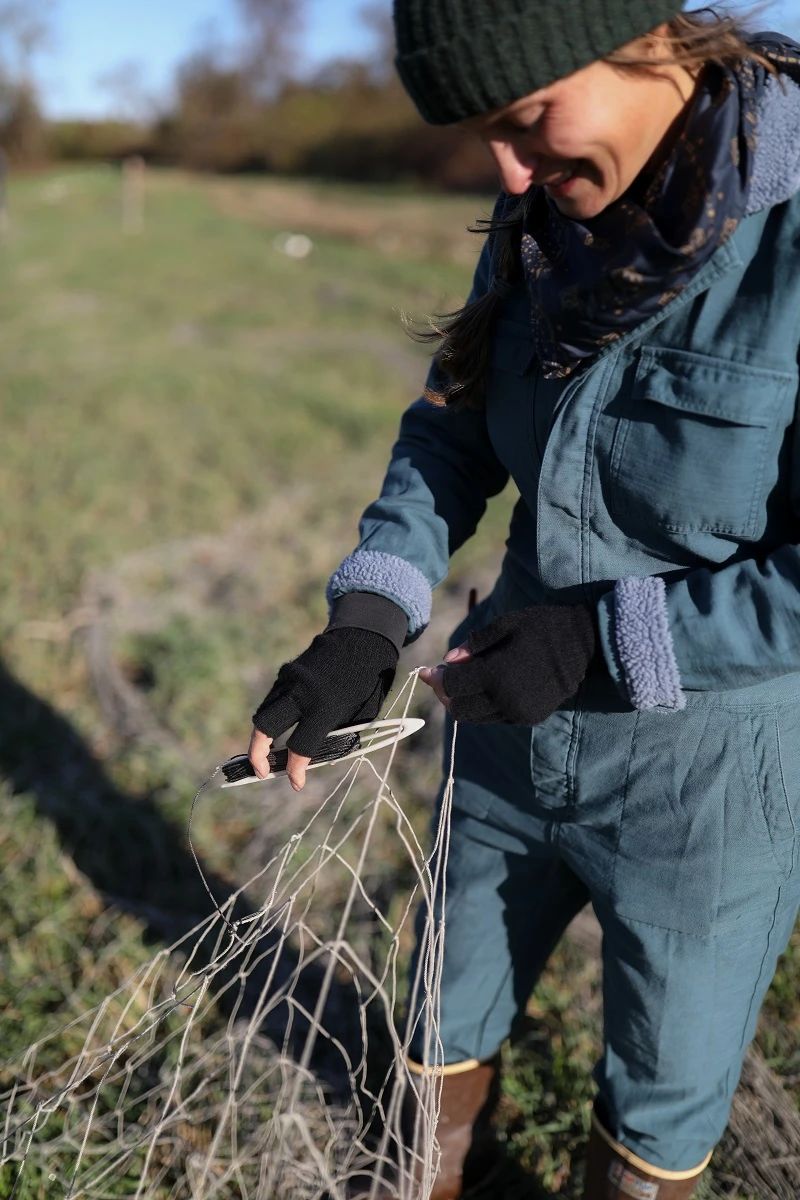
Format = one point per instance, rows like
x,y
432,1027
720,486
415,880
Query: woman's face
x,y
587,136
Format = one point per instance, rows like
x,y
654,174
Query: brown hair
x,y
694,39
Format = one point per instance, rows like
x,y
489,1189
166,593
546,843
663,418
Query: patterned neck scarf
x,y
592,281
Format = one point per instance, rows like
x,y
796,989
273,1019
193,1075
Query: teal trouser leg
x,y
508,899
697,900
679,1013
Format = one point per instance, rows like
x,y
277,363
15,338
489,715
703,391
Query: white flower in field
x,y
293,245
55,191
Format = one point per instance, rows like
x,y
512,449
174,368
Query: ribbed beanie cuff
x,y
458,58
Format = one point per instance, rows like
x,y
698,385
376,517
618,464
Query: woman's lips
x,y
560,177
553,179
561,184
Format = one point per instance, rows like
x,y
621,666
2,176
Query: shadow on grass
x,y
138,860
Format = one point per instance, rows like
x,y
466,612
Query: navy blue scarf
x,y
591,282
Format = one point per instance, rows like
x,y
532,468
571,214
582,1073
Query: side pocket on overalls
x,y
480,614
770,738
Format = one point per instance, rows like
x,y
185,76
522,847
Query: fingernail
x,y
451,654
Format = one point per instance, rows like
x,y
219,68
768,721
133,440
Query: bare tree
x,y
24,32
127,91
273,32
377,16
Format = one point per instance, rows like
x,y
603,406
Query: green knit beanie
x,y
457,58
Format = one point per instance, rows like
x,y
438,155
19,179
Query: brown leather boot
x,y
614,1173
469,1152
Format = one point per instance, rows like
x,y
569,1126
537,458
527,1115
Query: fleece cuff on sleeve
x,y
387,575
637,642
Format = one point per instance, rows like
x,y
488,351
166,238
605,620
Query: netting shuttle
x,y
353,741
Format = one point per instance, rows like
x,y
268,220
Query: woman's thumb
x,y
458,654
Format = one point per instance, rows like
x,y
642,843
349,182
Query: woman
x,y
629,690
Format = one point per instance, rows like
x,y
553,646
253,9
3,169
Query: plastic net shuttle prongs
x,y
354,741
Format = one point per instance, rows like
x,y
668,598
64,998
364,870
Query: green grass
x,y
150,390
175,385
159,388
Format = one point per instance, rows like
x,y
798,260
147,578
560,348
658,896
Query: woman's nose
x,y
516,174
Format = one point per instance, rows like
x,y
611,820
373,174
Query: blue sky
x,y
91,37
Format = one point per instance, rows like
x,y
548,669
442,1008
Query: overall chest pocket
x,y
696,446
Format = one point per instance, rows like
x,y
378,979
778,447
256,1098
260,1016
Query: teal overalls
x,y
663,484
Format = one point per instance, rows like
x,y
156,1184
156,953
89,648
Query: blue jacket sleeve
x,y
710,630
441,473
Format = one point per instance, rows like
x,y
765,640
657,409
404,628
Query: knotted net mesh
x,y
263,1054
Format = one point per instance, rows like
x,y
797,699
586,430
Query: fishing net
x,y
263,1054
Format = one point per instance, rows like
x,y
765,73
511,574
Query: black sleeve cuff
x,y
369,610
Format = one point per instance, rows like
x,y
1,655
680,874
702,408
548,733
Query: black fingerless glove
x,y
524,665
342,678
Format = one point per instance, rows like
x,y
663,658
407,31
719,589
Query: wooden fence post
x,y
133,179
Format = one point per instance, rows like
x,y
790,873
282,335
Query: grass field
x,y
192,424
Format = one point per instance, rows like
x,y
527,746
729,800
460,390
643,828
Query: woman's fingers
x,y
467,677
296,769
259,749
296,764
458,654
433,677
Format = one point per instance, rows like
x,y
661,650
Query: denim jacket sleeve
x,y
441,473
711,630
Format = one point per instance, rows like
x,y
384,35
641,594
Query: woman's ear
x,y
654,46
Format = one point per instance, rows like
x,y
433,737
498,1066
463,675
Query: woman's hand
x,y
433,676
342,679
520,667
